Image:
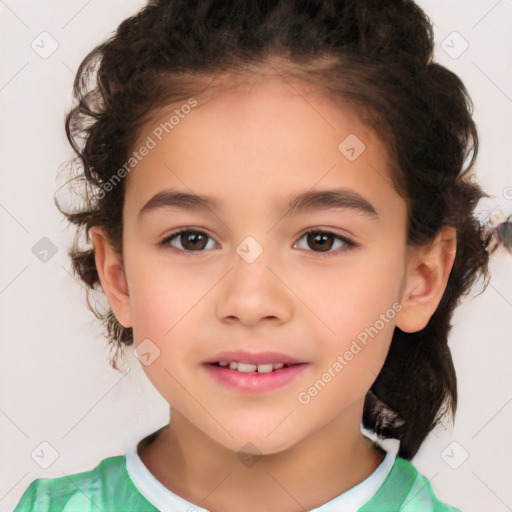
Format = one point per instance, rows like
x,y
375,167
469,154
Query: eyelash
x,y
348,244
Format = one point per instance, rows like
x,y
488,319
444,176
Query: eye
x,y
323,242
189,240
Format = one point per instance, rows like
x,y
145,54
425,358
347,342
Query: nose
x,y
254,291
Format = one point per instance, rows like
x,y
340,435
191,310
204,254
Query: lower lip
x,y
255,382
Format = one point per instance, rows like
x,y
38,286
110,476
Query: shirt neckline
x,y
167,501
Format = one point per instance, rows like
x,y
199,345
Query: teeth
x,y
250,368
265,368
245,367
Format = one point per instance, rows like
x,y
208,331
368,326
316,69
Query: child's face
x,y
252,152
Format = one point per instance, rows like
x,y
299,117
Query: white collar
x,y
350,501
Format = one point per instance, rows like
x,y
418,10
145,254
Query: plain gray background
x,y
56,384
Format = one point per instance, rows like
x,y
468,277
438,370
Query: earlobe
x,y
428,270
112,276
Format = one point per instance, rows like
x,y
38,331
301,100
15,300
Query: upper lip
x,y
253,357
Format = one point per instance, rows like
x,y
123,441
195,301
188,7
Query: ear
x,y
428,269
112,276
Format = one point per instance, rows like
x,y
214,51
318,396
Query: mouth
x,y
245,372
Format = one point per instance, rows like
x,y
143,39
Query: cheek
x,y
164,305
348,364
162,321
355,295
159,296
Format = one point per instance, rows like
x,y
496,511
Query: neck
x,y
322,466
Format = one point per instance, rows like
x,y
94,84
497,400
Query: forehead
x,y
259,139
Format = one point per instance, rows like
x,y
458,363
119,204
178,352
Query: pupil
x,y
319,239
193,237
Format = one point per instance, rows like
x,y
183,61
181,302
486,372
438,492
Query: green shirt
x,y
111,486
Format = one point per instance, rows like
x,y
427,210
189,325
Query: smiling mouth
x,y
244,377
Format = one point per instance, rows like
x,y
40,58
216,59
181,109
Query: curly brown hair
x,y
372,54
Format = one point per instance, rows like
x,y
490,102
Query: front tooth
x,y
277,366
246,367
265,368
233,365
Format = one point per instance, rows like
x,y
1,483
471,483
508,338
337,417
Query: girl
x,y
282,224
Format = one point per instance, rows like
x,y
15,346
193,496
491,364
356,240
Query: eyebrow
x,y
307,201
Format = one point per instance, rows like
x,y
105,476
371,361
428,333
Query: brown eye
x,y
188,240
320,241
324,241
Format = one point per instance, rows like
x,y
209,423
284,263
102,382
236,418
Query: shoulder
x,y
106,487
406,490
